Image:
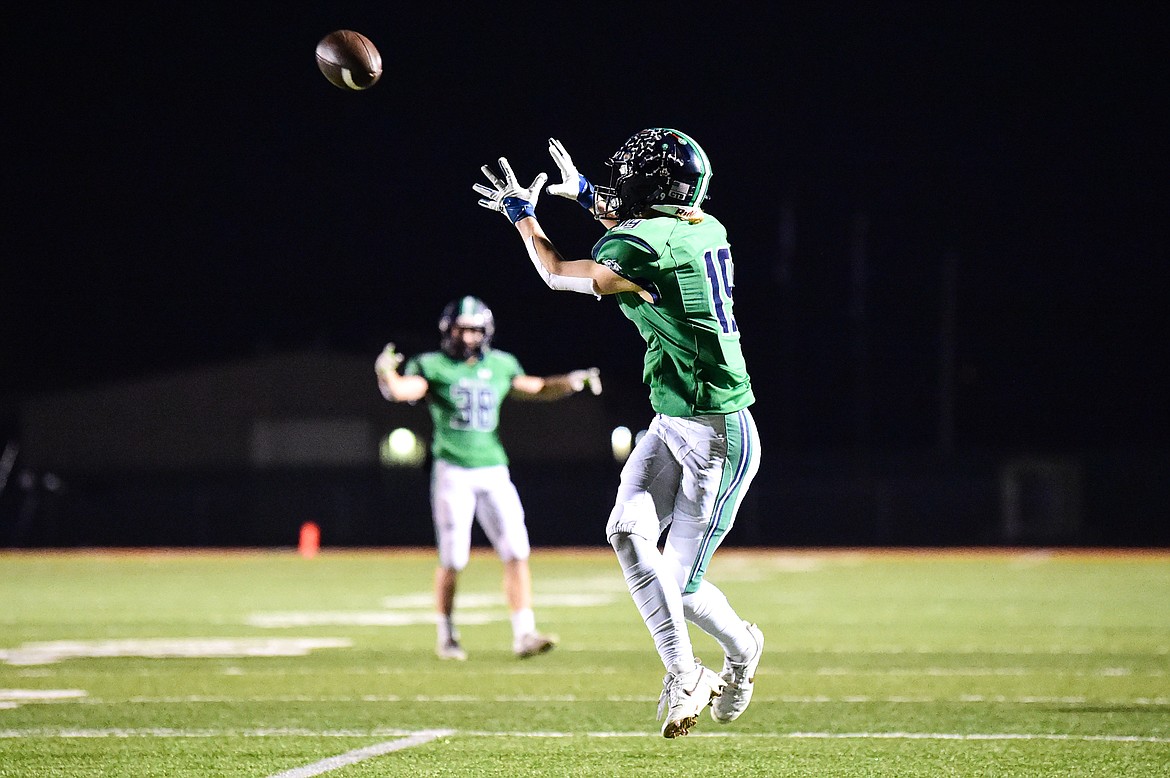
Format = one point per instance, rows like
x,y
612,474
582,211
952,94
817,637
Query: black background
x,y
183,187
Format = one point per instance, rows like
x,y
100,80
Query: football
x,y
349,60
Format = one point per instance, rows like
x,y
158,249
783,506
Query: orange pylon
x,y
310,540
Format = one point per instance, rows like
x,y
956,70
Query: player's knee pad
x,y
509,553
633,515
453,557
511,544
456,565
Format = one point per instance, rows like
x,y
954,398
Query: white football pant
x,y
460,495
687,476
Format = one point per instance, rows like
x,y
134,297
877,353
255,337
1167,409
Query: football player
x,y
669,265
463,384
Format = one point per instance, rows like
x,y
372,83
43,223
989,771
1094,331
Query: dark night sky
x,y
184,187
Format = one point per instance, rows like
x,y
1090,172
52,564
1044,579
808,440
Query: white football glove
x,y
573,186
388,361
579,379
506,196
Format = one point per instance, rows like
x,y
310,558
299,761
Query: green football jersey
x,y
464,400
694,364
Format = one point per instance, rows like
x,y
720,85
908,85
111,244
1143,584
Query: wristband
x,y
517,208
586,196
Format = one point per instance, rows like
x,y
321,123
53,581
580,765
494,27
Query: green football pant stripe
x,y
736,466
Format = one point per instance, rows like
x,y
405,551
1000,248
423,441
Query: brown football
x,y
349,60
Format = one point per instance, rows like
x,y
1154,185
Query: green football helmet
x,y
467,312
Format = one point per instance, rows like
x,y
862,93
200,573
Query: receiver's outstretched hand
x,y
506,196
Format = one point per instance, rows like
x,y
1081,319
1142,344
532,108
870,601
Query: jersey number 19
x,y
721,274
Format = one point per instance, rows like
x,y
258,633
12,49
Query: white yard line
x,y
1042,651
406,738
362,754
170,732
787,699
975,736
50,652
572,599
24,695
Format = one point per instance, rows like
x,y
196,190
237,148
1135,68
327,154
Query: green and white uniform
x,y
693,363
470,478
464,400
692,469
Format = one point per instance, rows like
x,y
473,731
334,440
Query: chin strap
x,y
557,282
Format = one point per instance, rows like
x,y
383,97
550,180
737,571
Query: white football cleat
x,y
683,698
532,644
740,679
450,650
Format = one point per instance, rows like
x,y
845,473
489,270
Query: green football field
x,y
878,663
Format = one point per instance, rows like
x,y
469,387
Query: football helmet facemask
x,y
467,313
657,169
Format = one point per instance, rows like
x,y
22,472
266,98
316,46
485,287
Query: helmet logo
x,y
656,169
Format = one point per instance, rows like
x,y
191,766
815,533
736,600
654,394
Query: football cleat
x,y
683,698
740,679
532,644
450,650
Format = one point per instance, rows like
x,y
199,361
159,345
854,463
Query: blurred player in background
x,y
669,264
464,384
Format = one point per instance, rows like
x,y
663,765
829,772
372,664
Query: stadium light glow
x,y
621,441
402,448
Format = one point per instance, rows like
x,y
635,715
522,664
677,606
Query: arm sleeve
x,y
557,282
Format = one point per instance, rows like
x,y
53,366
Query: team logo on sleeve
x,y
613,265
